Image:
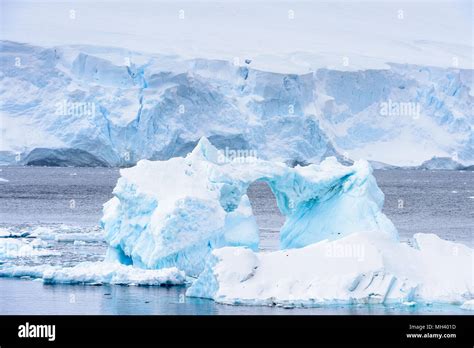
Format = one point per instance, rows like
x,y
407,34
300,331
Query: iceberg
x,y
441,163
337,247
174,213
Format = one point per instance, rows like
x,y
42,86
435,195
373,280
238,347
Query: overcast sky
x,y
276,35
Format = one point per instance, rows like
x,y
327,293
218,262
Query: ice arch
x,y
173,213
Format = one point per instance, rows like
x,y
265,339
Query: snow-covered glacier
x,y
80,105
174,213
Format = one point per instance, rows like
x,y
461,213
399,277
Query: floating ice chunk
x,y
409,303
4,233
17,247
359,268
62,234
9,233
173,213
42,232
468,305
73,237
38,243
97,273
4,180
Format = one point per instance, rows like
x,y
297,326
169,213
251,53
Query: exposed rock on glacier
x,y
359,268
173,213
62,158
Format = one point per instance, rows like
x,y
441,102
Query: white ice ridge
x,y
173,213
359,268
97,273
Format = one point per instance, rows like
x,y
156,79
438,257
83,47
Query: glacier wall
x,y
120,106
174,213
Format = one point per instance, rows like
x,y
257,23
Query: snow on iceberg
x,y
359,268
173,213
97,273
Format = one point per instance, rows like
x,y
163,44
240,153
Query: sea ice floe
x,y
97,273
19,247
63,234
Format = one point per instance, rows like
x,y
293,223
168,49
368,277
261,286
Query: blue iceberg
x,y
174,213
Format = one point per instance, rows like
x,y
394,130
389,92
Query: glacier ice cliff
x,y
174,213
119,106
